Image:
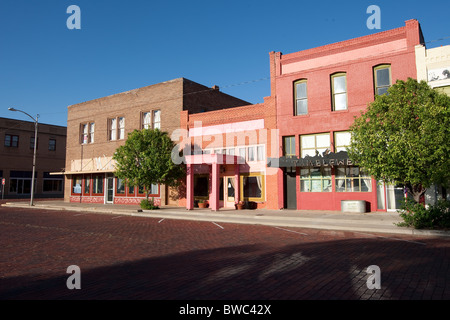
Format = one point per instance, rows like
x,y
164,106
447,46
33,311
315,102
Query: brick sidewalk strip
x,y
381,222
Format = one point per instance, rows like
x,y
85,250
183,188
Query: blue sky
x,y
124,45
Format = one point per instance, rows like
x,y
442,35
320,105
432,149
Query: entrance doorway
x,y
109,188
395,197
390,197
171,196
290,187
228,192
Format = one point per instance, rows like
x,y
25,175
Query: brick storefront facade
x,y
95,129
319,92
16,159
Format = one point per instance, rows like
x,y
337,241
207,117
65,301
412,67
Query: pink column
x,y
190,187
214,196
237,191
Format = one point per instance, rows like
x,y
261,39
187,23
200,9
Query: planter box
x,y
358,206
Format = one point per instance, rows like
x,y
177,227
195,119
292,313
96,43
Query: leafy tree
x,y
145,159
403,137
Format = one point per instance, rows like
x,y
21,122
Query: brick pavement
x,y
123,257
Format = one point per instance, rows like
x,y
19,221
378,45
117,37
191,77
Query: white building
x,y
433,66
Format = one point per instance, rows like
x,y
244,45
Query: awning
x,y
80,172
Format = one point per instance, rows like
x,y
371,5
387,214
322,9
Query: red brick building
x,y
318,93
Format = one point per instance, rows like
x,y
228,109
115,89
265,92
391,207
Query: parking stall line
x,y
218,225
305,234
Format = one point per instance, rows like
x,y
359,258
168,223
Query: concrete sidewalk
x,y
374,222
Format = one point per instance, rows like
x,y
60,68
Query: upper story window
x,y
289,146
11,141
339,91
32,143
382,78
116,128
87,132
146,120
157,119
151,119
314,144
51,144
301,97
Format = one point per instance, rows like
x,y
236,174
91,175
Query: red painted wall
x,y
356,57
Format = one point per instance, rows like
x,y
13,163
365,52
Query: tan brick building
x,y
16,159
95,129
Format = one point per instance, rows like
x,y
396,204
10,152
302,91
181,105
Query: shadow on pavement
x,y
325,270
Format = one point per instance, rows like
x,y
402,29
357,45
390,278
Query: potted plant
x,y
240,205
202,203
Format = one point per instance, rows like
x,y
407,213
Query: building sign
x,y
331,159
439,74
105,164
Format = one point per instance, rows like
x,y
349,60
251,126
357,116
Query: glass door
x,y
395,197
109,188
229,192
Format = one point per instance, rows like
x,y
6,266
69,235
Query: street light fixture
x,y
34,152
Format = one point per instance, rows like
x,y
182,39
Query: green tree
x,y
145,159
403,137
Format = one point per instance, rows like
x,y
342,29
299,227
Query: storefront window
x,y
352,179
252,186
315,179
97,185
153,190
120,187
76,186
87,185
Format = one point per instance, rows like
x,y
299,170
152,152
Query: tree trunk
x,y
417,192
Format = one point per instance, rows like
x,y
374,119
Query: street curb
x,y
355,225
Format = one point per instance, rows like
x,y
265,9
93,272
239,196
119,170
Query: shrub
x,y
418,216
149,204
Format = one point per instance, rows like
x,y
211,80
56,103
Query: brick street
x,y
123,257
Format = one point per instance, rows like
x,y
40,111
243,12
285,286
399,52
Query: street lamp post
x,y
34,151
